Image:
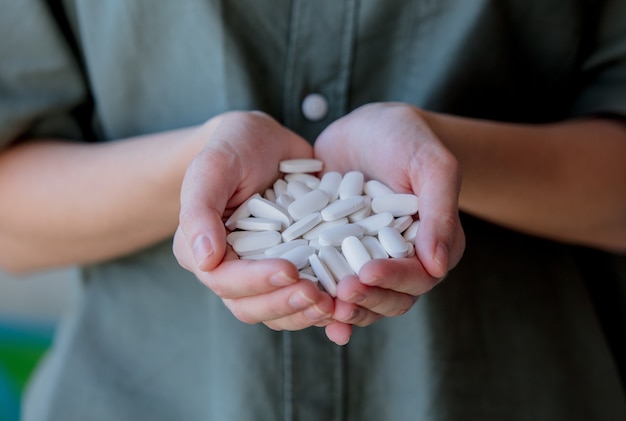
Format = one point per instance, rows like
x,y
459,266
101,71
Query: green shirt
x,y
510,335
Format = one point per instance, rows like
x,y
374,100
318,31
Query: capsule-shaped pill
x,y
355,253
323,274
241,212
302,226
263,208
364,212
374,248
393,242
282,248
309,180
330,184
335,236
313,201
323,226
258,224
411,232
373,223
254,242
342,207
300,165
299,256
280,187
401,223
297,189
351,184
375,188
399,204
335,262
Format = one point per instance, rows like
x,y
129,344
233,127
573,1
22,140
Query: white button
x,y
315,107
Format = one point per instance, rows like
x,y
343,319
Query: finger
x,y
403,275
303,297
238,278
338,332
354,314
440,236
204,194
381,301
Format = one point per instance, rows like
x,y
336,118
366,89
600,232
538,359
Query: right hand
x,y
241,157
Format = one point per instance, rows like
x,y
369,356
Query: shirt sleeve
x,y
603,81
40,79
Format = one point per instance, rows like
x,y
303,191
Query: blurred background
x,y
30,308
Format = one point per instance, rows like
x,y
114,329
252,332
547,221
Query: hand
x,y
390,142
241,157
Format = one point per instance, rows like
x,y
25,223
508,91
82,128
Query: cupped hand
x,y
241,157
392,143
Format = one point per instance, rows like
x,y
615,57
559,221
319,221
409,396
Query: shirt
x,y
510,334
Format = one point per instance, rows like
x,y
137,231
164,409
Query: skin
x,y
540,179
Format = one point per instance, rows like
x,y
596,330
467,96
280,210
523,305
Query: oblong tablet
x,y
309,180
330,184
255,242
300,165
297,189
301,227
399,204
393,242
351,184
411,232
335,262
308,203
373,223
323,274
323,226
282,248
401,223
342,207
258,224
263,208
355,253
335,236
375,188
299,256
241,212
374,248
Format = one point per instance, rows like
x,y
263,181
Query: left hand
x,y
390,142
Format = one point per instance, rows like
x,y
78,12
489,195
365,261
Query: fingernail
x,y
357,298
315,314
300,300
441,257
202,249
281,279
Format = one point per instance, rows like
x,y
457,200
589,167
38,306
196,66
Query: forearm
x,y
67,203
563,181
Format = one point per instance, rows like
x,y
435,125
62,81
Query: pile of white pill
x,y
329,227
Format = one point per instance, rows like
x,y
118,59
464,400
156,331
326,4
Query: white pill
x,y
309,180
393,242
313,201
375,188
330,184
335,262
258,256
374,248
299,256
335,236
270,195
230,238
324,225
398,204
315,243
301,165
301,227
255,242
364,212
411,232
282,248
280,187
258,224
241,212
323,274
401,223
308,276
411,251
373,223
351,184
297,189
355,253
284,200
263,208
342,207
